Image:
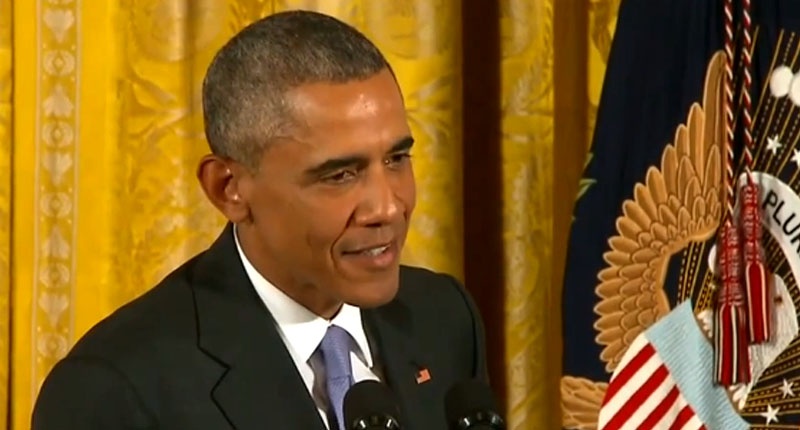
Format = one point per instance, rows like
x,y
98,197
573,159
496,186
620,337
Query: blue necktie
x,y
335,348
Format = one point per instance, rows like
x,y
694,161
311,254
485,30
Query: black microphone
x,y
470,405
370,405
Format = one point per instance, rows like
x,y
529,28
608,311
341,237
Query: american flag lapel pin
x,y
423,376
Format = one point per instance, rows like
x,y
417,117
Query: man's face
x,y
330,207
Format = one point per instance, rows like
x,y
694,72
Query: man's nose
x,y
380,204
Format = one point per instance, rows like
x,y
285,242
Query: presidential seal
x,y
663,355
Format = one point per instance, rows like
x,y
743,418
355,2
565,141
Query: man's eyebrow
x,y
402,145
334,164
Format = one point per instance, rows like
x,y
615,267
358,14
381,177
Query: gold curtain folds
x,y
101,130
553,62
107,132
6,135
527,108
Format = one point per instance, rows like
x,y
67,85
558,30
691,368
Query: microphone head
x,y
470,404
371,405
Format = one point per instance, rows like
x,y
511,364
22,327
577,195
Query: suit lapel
x,y
260,386
393,331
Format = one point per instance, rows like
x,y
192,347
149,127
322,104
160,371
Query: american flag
x,y
643,395
664,382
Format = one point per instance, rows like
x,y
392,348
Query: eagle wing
x,y
678,203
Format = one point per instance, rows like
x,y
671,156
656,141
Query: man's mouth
x,y
380,256
378,250
371,251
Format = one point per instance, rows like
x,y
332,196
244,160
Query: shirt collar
x,y
303,330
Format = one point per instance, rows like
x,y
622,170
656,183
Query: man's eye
x,y
340,177
398,158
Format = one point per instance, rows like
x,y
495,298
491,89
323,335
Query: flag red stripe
x,y
636,400
683,417
666,404
627,373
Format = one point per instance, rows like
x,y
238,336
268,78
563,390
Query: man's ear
x,y
221,180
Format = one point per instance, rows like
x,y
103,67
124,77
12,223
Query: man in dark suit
x,y
303,289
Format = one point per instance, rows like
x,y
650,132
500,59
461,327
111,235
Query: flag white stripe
x,y
633,350
672,414
625,392
693,424
654,398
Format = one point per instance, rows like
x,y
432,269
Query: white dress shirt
x,y
302,331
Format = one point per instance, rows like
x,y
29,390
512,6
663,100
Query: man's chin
x,y
373,296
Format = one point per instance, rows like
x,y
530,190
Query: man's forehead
x,y
368,96
332,145
364,120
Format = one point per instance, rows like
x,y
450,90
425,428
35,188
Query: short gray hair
x,y
244,89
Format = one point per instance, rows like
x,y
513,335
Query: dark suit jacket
x,y
201,351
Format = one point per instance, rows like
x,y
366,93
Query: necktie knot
x,y
335,349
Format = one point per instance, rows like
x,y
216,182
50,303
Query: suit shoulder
x,y
145,323
418,283
449,315
415,275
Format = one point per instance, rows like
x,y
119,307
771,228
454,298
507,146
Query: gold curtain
x,y
527,157
553,62
5,202
100,119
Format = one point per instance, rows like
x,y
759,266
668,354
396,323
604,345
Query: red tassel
x,y
759,295
733,360
731,356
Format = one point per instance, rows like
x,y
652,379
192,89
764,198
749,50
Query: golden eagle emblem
x,y
678,203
